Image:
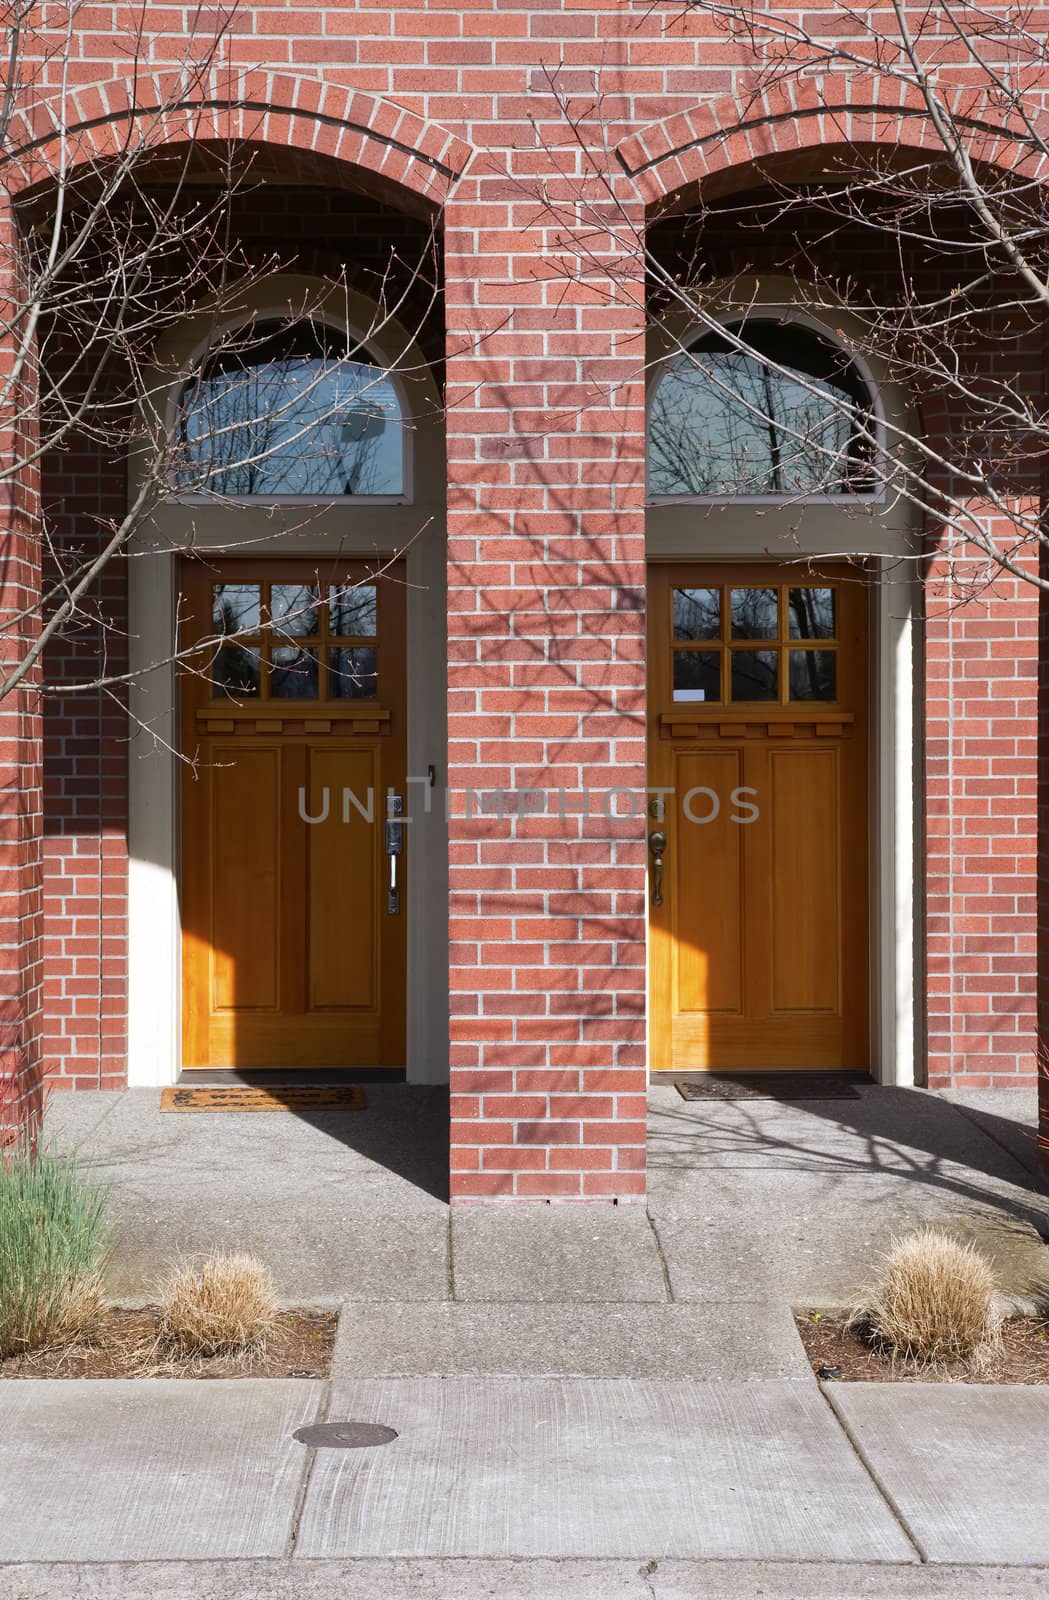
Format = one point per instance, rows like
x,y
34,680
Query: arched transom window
x,y
765,408
291,409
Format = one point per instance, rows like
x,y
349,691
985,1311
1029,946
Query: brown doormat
x,y
281,1097
768,1086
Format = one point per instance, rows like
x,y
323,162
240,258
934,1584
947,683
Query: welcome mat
x,y
244,1097
768,1086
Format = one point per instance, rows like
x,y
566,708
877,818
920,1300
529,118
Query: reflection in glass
x,y
813,674
724,421
755,675
353,611
755,614
812,613
697,675
290,409
235,671
352,674
697,613
293,674
295,609
235,607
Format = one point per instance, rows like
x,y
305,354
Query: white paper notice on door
x,y
690,694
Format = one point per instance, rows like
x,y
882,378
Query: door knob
x,y
657,843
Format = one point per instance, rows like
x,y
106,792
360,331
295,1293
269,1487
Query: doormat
x,y
281,1097
768,1086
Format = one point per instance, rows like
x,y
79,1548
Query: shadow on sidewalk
x,y
909,1136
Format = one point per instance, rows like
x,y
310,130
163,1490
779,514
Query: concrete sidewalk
x,y
608,1404
666,1482
756,1202
759,1201
469,1579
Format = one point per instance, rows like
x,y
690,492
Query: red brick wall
x,y
981,834
85,755
20,797
1043,867
546,563
546,693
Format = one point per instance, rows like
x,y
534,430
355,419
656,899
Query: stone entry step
x,y
703,1342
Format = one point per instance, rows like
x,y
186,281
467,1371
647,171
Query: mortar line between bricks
x,y
307,1477
868,1467
668,1286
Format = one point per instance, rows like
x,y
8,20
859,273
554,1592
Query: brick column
x,y
546,711
20,816
981,826
1043,867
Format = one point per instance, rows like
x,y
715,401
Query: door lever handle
x,y
394,846
657,843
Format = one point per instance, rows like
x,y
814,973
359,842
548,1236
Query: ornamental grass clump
x,y
54,1240
226,1305
936,1301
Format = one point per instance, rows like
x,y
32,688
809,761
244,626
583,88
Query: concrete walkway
x,y
470,1579
669,1482
606,1404
794,1202
755,1202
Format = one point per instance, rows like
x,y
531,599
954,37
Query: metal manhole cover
x,y
344,1435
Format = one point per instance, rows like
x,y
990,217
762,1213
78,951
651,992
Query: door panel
x,y
806,931
245,836
758,686
293,954
708,956
343,930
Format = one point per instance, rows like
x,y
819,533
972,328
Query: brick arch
x,y
835,110
317,121
720,145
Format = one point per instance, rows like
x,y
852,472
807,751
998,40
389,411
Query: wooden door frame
x,y
416,528
202,718
155,933
896,942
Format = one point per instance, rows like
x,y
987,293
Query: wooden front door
x,y
758,689
293,726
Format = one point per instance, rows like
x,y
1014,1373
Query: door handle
x,y
394,847
657,843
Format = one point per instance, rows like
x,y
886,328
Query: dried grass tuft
x,y
935,1301
225,1305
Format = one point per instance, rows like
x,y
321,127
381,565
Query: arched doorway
x,y
780,688
330,195
281,822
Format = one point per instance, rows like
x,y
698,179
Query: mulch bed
x,y
1022,1358
125,1344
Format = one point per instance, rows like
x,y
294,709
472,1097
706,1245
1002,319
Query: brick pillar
x,y
1043,867
546,711
981,825
20,816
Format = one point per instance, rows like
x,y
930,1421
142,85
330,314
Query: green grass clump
x,y
54,1240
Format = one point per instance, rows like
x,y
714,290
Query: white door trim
x,y
154,924
415,529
